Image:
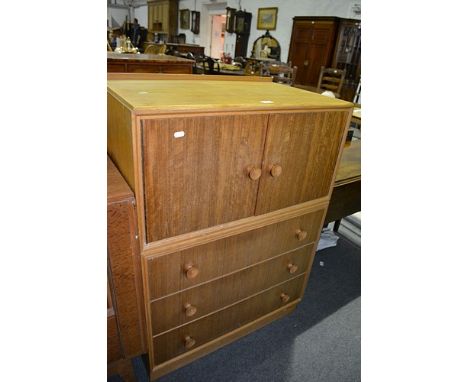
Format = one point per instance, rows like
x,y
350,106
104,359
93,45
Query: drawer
x,y
180,270
192,335
181,308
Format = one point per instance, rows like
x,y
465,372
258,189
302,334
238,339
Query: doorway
x,y
218,31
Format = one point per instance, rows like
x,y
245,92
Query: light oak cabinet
x,y
232,181
162,17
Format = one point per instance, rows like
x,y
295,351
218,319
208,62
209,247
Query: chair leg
x,y
336,226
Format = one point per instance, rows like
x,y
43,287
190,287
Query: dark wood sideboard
x,y
148,63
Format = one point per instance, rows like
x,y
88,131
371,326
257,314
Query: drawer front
x,y
190,336
180,270
181,308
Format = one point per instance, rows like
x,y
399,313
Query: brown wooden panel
x,y
306,146
201,179
345,201
172,343
116,68
166,273
119,138
113,345
125,270
176,69
173,310
143,68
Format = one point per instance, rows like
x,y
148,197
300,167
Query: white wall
x,y
118,12
141,13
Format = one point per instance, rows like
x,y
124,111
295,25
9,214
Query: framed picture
x,y
195,22
266,18
184,19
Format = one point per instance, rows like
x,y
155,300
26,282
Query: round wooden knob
x,y
255,173
301,235
190,310
284,297
191,271
276,170
292,268
189,342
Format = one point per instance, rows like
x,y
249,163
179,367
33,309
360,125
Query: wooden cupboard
x,y
148,63
162,17
126,332
330,42
231,194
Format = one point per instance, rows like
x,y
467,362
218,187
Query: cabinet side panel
x,y
119,138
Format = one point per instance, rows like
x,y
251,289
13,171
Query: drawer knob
x,y
190,310
292,268
284,297
189,342
255,173
276,170
191,271
301,235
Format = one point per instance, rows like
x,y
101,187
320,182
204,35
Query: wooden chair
x,y
280,72
156,49
331,79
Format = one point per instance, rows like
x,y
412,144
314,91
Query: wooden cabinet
x,y
330,42
231,194
147,63
162,17
126,336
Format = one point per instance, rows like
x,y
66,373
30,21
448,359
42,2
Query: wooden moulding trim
x,y
207,235
347,181
231,273
228,306
229,110
183,359
149,328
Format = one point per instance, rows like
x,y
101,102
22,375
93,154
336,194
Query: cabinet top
x,y
163,96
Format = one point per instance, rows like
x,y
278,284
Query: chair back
x,y
331,79
280,72
155,49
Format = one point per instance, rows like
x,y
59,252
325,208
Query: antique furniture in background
x,y
195,28
231,195
266,46
230,16
148,63
330,42
162,17
280,72
331,79
126,328
196,50
155,49
346,196
242,21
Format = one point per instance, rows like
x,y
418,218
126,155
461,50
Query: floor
x,y
319,341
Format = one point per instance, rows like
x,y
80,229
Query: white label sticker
x,y
142,92
266,101
179,134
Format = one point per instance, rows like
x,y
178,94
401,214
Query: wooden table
x,y
346,196
148,63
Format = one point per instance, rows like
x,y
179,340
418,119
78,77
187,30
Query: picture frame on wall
x,y
266,18
184,19
195,22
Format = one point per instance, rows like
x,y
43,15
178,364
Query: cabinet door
x,y
301,152
196,171
299,50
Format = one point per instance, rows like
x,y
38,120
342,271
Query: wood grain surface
x,y
201,178
125,266
215,95
171,311
171,344
306,146
166,273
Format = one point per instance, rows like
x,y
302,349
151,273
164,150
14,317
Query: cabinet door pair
x,y
208,170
